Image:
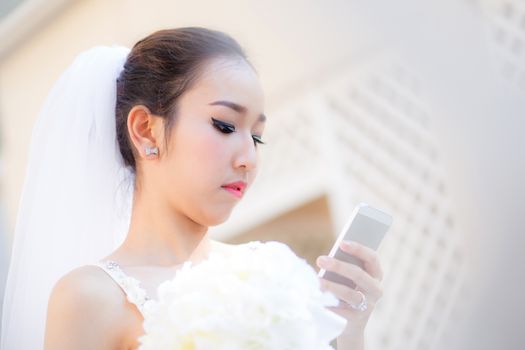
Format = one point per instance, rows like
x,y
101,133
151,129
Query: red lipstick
x,y
236,188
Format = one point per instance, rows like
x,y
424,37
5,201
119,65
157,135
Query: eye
x,y
223,127
257,139
226,128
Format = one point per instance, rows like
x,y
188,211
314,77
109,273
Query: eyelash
x,y
228,129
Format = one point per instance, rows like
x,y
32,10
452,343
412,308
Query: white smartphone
x,y
366,225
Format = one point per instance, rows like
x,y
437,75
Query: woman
x,y
189,124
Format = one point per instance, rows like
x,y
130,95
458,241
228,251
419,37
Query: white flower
x,y
261,297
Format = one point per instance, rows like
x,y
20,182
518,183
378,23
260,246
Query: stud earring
x,y
152,150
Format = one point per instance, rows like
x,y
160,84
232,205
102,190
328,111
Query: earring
x,y
152,150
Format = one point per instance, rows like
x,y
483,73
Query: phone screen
x,y
367,227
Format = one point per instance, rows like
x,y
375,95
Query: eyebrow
x,y
237,108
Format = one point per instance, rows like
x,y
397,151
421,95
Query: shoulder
x,y
84,304
85,286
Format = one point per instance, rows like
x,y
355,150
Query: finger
x,y
342,292
361,278
369,256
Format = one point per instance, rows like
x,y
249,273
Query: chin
x,y
217,218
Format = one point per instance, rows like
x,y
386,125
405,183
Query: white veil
x,y
76,200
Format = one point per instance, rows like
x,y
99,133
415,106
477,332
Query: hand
x,y
367,280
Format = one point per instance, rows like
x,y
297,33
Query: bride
x,y
123,182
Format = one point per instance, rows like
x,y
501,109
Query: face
x,y
214,142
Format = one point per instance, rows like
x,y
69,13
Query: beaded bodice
x,y
130,285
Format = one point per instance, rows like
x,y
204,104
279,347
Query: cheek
x,y
211,150
205,166
203,158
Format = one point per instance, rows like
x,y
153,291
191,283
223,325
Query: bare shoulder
x,y
86,286
85,307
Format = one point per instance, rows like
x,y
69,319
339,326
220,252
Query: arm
x,y
80,314
355,341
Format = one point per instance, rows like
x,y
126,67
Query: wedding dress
x,y
131,286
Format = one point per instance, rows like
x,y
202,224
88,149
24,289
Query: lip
x,y
236,188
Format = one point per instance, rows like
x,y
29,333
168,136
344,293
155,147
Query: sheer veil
x,y
76,201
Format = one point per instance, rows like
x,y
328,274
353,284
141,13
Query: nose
x,y
247,155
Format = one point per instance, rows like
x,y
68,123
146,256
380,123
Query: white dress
x,y
134,292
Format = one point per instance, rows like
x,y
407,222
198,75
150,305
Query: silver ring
x,y
362,306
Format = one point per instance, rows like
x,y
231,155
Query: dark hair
x,y
159,69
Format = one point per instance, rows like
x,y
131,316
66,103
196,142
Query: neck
x,y
161,235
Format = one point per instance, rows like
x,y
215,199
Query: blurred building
x,y
350,120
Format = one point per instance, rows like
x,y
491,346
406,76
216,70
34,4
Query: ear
x,y
145,130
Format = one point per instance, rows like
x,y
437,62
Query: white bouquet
x,y
261,297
